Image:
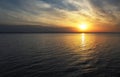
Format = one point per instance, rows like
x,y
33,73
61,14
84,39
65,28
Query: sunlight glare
x,y
83,26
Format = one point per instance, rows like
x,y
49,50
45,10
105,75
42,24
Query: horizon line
x,y
59,32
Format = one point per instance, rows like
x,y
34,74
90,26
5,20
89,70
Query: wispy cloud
x,y
59,12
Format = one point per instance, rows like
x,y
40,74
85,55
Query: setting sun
x,y
83,26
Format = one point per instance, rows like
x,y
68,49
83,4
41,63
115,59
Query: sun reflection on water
x,y
86,49
83,39
87,41
82,48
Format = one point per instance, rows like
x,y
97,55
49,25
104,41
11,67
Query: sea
x,y
59,55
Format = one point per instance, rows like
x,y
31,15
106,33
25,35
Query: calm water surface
x,y
60,55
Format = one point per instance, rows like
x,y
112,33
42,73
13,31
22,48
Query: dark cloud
x,y
114,2
33,29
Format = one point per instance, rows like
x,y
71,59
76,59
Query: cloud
x,y
25,11
63,4
107,10
59,12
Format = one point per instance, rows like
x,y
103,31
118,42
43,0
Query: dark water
x,y
59,55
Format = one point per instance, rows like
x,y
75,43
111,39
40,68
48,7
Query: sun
x,y
83,26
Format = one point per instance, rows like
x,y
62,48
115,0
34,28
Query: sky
x,y
99,15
